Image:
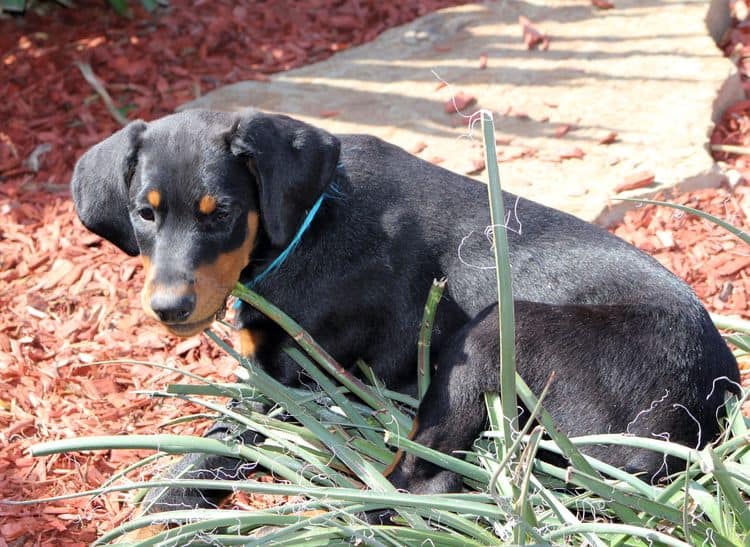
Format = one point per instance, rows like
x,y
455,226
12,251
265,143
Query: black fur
x,y
101,185
619,330
289,179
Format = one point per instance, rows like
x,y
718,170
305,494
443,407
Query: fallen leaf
x,y
609,138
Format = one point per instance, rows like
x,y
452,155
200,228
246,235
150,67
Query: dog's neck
x,y
332,192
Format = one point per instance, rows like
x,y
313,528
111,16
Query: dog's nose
x,y
171,307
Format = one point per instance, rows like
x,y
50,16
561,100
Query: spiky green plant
x,y
346,430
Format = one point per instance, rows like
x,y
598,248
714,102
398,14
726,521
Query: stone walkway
x,y
648,71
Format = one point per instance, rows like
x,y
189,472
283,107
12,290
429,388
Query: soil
x,y
69,300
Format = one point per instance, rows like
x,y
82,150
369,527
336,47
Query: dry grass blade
x,y
88,74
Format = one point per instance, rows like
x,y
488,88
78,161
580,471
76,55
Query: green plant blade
x,y
425,336
504,285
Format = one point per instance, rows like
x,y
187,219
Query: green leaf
x,y
504,286
729,489
425,336
15,6
651,536
120,6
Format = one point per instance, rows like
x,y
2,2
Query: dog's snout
x,y
171,307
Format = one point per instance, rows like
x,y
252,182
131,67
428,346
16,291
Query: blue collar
x,y
331,192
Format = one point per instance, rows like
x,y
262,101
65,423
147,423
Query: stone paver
x,y
646,70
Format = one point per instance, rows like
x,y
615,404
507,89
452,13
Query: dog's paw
x,y
380,517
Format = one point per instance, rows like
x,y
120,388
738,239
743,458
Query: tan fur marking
x,y
154,198
148,289
207,204
213,282
249,342
400,453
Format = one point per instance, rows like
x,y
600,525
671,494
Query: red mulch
x,y
67,299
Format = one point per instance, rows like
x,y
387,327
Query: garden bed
x,y
69,299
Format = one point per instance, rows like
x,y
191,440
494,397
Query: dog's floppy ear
x,y
293,163
101,183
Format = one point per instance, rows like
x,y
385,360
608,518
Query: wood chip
x,y
417,147
477,165
532,36
572,153
458,102
641,179
602,4
609,138
562,130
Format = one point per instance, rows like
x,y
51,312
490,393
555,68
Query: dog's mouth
x,y
188,329
194,327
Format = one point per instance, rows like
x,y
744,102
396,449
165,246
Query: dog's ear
x,y
293,163
101,183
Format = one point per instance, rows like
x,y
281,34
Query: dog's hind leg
x,y
633,369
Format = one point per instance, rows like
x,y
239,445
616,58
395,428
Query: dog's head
x,y
193,192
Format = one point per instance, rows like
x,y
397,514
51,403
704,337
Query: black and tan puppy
x,y
209,198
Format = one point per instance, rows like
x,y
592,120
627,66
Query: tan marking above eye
x,y
154,198
207,204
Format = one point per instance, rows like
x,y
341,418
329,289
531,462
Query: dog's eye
x,y
221,215
146,213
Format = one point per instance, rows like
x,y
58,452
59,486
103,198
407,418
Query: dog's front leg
x,y
202,467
